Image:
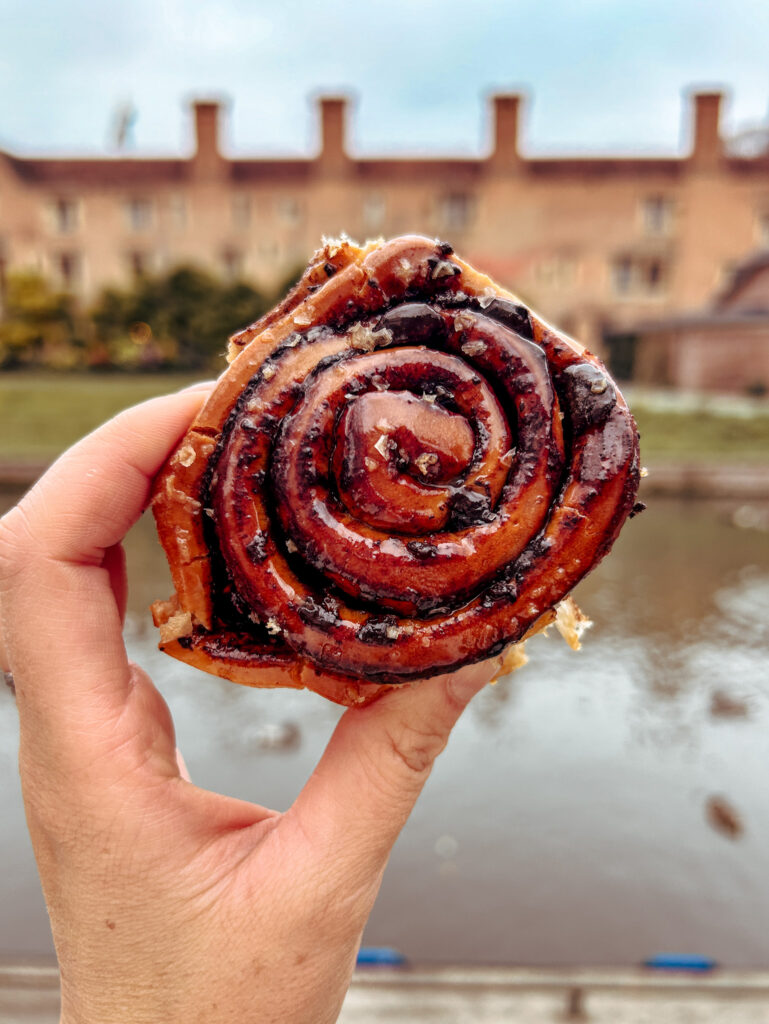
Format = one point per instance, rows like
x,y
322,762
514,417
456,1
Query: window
x,y
622,276
66,215
139,213
177,206
241,211
657,216
374,210
456,211
655,274
558,270
232,264
289,211
139,263
640,277
67,268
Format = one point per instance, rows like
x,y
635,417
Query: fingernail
x,y
201,385
468,681
182,766
8,679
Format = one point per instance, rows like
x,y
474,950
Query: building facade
x,y
597,244
724,347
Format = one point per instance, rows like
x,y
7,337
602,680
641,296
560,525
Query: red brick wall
x,y
720,359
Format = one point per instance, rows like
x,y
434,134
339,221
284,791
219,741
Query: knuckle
x,y
414,746
453,704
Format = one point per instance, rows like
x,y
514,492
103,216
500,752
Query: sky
x,y
599,75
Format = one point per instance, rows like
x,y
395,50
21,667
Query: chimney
x,y
505,123
207,158
333,122
707,147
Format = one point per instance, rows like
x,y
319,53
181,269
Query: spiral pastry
x,y
402,471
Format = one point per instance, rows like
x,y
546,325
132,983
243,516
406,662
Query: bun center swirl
x,y
408,480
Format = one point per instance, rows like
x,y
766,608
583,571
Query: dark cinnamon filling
x,y
397,507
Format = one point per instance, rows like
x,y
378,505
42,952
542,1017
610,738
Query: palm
x,y
169,902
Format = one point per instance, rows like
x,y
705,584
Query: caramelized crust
x,y
403,470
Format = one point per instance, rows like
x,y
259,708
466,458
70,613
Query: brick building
x,y
597,244
723,347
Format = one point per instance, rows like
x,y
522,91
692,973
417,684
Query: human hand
x,y
168,902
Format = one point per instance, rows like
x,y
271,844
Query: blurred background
x,y
165,172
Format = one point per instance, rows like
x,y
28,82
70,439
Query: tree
x,y
40,326
182,318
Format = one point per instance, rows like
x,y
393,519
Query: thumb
x,y
376,763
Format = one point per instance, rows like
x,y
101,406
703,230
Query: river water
x,y
594,808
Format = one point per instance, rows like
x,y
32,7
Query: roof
x,y
706,318
743,274
63,172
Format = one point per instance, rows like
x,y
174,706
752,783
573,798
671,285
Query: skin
x,y
169,902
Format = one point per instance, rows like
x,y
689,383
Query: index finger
x,y
60,620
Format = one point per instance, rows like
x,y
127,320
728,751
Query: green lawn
x,y
696,436
41,414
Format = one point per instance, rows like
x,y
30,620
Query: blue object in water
x,y
680,962
380,956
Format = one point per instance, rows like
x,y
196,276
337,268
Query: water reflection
x,y
723,817
571,819
726,705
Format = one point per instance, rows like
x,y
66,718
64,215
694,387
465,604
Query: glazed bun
x,y
402,471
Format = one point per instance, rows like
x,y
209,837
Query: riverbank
x,y
43,413
681,479
29,994
702,480
696,446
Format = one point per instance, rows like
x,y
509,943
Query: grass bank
x,y
41,414
690,436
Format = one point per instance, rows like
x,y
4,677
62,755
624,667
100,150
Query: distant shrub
x,y
40,326
180,319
